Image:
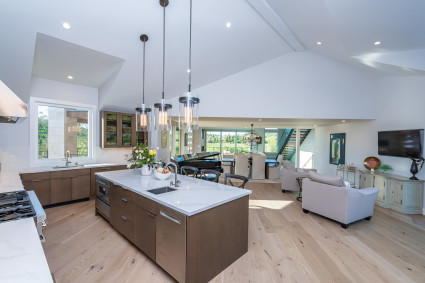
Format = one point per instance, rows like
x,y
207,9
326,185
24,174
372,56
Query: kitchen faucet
x,y
67,157
176,182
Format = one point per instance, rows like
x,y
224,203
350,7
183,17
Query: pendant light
x,y
143,114
162,117
188,111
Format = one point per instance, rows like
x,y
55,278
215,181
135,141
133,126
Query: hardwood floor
x,y
285,245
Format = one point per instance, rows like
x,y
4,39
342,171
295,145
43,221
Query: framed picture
x,y
337,149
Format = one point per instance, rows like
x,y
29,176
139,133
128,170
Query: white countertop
x,y
10,181
22,257
52,168
192,196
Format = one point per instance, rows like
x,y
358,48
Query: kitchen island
x,y
193,232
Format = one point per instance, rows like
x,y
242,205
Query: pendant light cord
x,y
163,55
143,101
190,48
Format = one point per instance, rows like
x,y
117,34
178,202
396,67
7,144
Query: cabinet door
x,y
127,125
80,187
396,193
145,231
171,242
380,183
121,213
366,180
111,129
60,189
41,189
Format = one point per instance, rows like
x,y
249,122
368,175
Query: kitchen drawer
x,y
35,176
70,173
122,219
144,202
103,209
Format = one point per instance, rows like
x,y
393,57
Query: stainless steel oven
x,y
103,187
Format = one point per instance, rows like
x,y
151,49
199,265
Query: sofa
x,y
329,197
289,175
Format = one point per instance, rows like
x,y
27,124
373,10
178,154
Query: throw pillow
x,y
288,165
329,180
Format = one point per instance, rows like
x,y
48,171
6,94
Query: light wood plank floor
x,y
285,245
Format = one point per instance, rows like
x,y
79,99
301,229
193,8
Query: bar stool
x,y
210,175
228,178
189,171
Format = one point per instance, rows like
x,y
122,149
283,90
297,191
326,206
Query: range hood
x,y
11,106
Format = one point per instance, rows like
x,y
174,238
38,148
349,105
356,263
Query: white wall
x,y
295,85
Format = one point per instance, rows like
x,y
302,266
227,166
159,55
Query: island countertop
x,y
191,197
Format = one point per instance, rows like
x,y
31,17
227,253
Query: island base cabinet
x,y
145,231
171,242
215,239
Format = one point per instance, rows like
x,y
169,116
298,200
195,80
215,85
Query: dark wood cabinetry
x,y
118,129
95,170
40,184
134,216
67,185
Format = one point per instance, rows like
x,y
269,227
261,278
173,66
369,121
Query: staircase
x,y
288,146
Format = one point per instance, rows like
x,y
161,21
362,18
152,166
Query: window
x,y
228,142
270,143
213,141
60,128
241,147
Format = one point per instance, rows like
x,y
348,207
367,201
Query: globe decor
x,y
252,139
142,156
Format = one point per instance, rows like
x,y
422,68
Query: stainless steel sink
x,y
69,166
162,190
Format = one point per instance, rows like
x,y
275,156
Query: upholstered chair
x,y
329,197
258,170
274,168
289,175
241,164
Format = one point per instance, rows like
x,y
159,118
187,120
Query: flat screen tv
x,y
406,143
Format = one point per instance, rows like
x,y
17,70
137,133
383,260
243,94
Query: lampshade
x,y
188,111
162,116
143,118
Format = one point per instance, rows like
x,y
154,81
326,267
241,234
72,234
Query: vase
x,y
146,170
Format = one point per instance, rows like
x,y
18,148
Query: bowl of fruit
x,y
161,173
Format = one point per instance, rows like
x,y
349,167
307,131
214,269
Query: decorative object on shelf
x,y
349,173
143,113
385,168
337,149
162,117
372,162
142,156
253,139
188,112
416,161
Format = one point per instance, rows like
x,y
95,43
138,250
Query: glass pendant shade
x,y
143,118
162,116
188,112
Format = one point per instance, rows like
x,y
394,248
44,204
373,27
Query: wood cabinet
x,y
40,184
61,189
67,185
396,192
95,170
118,129
134,216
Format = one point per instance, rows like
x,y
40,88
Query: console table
x,y
395,192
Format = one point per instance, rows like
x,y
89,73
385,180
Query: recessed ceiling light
x,y
66,26
343,121
315,125
228,24
319,43
70,77
377,42
188,70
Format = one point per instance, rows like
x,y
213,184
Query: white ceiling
x,y
261,30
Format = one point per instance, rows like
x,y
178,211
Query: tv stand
x,y
395,192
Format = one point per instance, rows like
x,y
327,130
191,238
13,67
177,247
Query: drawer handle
x,y
124,199
175,220
37,180
151,214
124,218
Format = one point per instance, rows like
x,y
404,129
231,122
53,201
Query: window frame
x,y
92,111
276,131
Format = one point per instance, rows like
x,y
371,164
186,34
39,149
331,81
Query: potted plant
x,y
385,167
142,156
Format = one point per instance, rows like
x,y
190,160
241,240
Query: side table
x,y
300,183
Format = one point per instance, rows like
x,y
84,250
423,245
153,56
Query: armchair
x,y
332,200
289,175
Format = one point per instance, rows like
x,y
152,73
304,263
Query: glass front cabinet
x,y
118,129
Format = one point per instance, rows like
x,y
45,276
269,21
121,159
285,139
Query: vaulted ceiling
x,y
102,48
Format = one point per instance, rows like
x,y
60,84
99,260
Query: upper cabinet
x,y
118,129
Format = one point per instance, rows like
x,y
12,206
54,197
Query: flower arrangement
x,y
141,155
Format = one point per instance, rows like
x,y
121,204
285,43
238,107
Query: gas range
x,y
19,205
